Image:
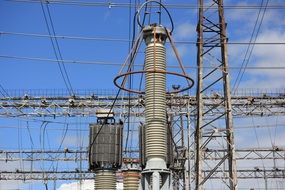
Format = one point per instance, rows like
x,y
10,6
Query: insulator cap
x,y
153,32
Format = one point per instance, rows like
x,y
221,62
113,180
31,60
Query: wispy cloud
x,y
267,56
85,185
185,31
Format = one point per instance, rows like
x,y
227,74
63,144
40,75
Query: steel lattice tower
x,y
213,130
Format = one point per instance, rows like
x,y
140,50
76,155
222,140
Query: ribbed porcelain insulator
x,y
105,180
155,105
131,180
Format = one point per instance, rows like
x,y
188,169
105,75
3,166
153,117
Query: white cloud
x,y
185,31
267,56
239,14
242,21
86,185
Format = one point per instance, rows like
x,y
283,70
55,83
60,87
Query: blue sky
x,y
113,22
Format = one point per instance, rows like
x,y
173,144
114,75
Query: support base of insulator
x,y
156,163
154,179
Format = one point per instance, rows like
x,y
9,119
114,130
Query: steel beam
x,y
244,174
84,106
277,153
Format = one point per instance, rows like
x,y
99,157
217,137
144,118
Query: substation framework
x,y
183,107
193,117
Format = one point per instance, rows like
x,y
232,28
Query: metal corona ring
x,y
152,71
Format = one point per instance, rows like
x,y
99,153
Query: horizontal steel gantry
x,y
277,153
254,173
86,106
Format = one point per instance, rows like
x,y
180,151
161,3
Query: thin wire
x,y
20,145
248,47
56,49
149,12
3,91
29,132
257,139
46,186
130,78
112,39
159,14
61,143
106,63
275,130
269,132
101,127
41,139
241,127
116,97
63,137
143,22
130,62
249,51
127,5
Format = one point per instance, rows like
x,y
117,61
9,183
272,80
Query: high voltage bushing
x,y
155,97
156,175
105,148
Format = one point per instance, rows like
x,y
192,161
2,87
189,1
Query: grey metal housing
x,y
106,152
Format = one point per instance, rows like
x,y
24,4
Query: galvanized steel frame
x,y
212,29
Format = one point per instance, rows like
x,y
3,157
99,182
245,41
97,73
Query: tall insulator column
x,y
155,97
153,139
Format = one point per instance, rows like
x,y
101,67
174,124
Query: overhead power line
x,y
55,46
127,5
250,48
237,127
65,36
3,91
106,63
112,39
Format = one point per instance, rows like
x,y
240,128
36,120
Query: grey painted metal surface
x,y
106,152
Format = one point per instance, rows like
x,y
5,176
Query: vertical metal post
x,y
198,136
189,153
228,99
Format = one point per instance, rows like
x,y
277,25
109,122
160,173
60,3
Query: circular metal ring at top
x,y
153,1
